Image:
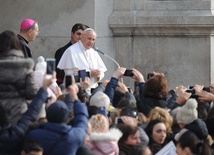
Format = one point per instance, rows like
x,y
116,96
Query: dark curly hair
x,y
156,87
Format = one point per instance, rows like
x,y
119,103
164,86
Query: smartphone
x,y
118,120
149,75
129,88
68,81
76,77
102,110
82,74
88,74
128,72
51,66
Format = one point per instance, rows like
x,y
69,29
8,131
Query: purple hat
x,y
26,24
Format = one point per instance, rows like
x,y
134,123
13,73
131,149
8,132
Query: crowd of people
x,y
40,114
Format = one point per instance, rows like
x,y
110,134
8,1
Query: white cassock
x,y
76,57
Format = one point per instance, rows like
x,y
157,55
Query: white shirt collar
x,y
81,46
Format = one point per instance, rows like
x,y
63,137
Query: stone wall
x,y
174,37
56,18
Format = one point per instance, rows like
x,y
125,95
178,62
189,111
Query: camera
x,y
128,72
149,75
192,91
81,74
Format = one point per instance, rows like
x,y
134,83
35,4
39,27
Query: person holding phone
x,y
81,56
17,83
110,89
12,135
56,136
153,92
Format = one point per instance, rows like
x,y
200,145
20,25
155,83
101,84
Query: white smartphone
x,y
51,66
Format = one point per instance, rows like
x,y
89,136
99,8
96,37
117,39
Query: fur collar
x,y
113,134
17,63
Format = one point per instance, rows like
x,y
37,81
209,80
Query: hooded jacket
x,y
60,138
199,128
17,83
105,143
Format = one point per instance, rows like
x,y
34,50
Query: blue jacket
x,y
63,139
11,136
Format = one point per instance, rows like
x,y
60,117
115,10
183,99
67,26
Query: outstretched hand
x,y
47,81
204,96
156,73
137,76
183,96
119,72
85,84
73,89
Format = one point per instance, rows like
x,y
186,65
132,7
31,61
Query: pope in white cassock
x,y
81,55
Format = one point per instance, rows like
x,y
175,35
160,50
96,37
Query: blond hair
x,y
163,115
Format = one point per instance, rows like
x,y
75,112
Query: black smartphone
x,y
82,74
51,66
129,88
68,81
128,72
88,74
149,75
118,120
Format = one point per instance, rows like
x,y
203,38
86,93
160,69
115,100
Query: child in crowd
x,y
103,140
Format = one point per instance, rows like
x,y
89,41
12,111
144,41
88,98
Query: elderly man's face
x,y
88,39
32,34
